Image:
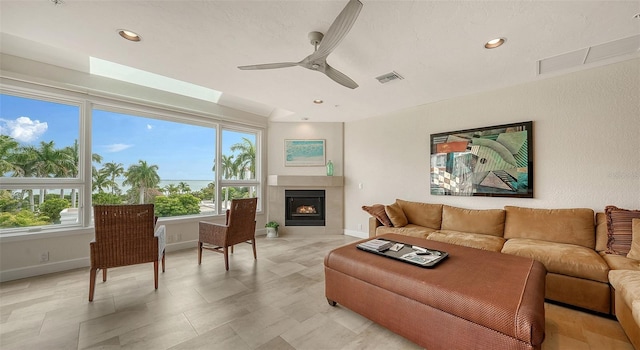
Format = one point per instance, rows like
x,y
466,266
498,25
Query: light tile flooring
x,y
276,302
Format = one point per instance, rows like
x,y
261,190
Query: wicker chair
x,y
240,227
125,235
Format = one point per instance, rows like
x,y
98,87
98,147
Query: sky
x,y
181,151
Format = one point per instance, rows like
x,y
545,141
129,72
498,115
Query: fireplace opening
x,y
304,208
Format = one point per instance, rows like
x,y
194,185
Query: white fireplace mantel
x,y
305,180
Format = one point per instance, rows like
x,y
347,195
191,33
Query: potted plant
x,y
272,229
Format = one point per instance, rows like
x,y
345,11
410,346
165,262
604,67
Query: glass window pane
x,y
38,138
147,160
233,192
238,160
38,207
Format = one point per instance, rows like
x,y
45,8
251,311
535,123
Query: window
x,y
152,160
51,174
239,165
39,161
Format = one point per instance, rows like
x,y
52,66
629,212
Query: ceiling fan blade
x,y
339,77
269,66
338,30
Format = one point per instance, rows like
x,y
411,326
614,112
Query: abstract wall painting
x,y
495,161
304,152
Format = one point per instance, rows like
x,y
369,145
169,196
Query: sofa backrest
x,y
602,235
488,221
572,226
422,214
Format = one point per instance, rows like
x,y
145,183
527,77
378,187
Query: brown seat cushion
x,y
407,230
472,240
565,259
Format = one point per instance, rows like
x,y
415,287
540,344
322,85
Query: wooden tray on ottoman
x,y
476,299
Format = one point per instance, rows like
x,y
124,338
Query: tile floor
x,y
276,302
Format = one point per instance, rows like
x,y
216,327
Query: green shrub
x,y
22,218
52,208
179,204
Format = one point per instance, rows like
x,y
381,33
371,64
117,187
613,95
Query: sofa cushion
x,y
570,226
378,212
634,252
467,239
408,230
396,215
620,262
601,232
565,259
488,222
627,283
619,229
423,214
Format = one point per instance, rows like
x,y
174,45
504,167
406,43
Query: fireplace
x,y
304,208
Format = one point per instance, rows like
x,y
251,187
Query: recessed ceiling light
x,y
493,43
129,35
318,101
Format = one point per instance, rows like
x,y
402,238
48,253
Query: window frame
x,y
87,103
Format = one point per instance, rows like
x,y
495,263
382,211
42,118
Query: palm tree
x,y
183,187
228,167
74,152
8,149
100,180
246,160
142,176
245,163
114,170
228,172
171,189
48,161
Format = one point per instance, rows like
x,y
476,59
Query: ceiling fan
x,y
324,45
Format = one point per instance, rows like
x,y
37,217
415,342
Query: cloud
x,y
117,147
149,126
23,129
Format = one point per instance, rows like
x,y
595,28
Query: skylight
x,y
136,76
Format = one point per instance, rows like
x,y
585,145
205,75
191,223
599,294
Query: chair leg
x,y
199,253
104,275
226,257
253,243
155,273
162,262
92,283
231,249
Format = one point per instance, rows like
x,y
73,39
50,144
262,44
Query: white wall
x,y
586,129
332,133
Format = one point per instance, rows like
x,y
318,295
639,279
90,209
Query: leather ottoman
x,y
474,299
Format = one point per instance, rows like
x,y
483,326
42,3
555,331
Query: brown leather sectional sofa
x,y
570,243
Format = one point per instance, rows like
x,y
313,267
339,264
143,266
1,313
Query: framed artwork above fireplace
x,y
304,153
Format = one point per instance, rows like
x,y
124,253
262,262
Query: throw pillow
x,y
396,215
634,253
377,211
619,229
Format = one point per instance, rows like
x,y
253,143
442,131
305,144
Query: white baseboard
x,y
358,234
43,269
37,270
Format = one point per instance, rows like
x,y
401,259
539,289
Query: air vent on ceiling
x,y
620,47
385,78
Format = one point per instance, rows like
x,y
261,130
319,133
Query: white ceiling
x,y
437,46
